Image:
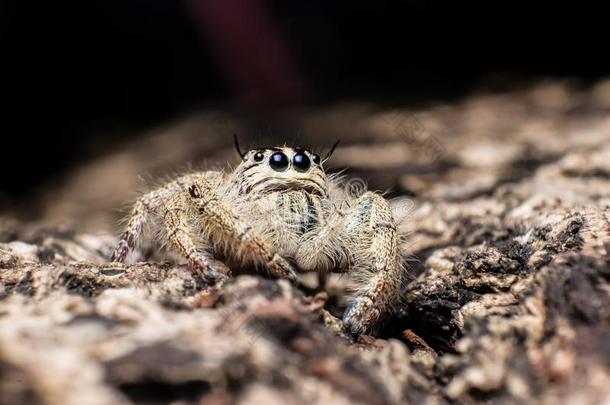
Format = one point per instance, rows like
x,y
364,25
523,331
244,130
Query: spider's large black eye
x,y
301,162
258,157
278,161
316,159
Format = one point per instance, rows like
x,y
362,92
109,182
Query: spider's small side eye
x,y
316,159
258,157
301,162
278,161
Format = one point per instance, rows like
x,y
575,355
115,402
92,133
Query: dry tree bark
x,y
505,199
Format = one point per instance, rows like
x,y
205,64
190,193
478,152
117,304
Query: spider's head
x,y
281,168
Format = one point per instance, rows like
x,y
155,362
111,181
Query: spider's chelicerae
x,y
278,210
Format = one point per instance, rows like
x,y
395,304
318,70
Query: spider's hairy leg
x,y
146,205
224,228
379,271
186,238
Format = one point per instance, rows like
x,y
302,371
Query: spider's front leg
x,y
227,231
370,227
146,206
181,231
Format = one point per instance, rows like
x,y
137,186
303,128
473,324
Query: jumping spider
x,y
280,211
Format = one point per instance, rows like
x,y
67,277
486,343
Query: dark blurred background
x,y
80,77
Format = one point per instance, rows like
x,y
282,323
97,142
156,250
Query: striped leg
x,y
226,231
379,271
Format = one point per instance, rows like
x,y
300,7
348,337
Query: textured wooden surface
x,y
505,198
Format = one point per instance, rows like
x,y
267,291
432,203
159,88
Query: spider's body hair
x,y
286,219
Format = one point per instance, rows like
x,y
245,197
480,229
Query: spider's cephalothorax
x,y
278,210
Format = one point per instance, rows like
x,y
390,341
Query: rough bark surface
x,y
505,198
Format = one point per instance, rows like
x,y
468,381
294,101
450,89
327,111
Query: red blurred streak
x,y
250,51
